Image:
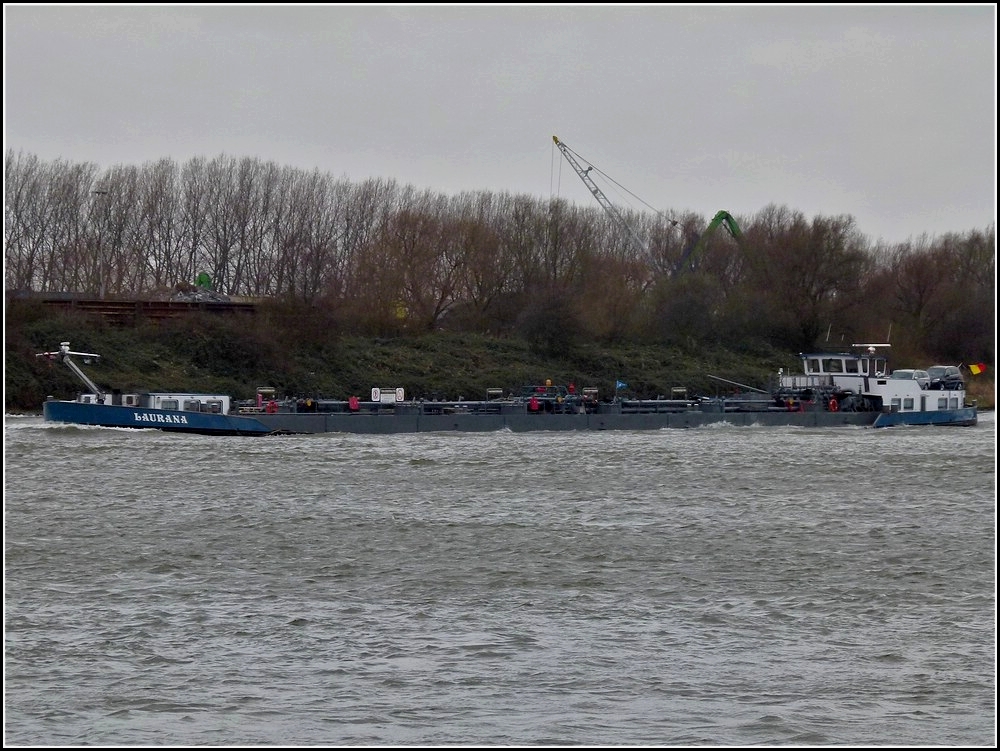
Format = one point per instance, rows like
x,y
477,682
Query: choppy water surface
x,y
711,586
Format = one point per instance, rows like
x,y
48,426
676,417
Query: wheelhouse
x,y
844,364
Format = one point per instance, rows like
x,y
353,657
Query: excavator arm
x,y
723,218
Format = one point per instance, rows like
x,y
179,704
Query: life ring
x,y
272,407
833,405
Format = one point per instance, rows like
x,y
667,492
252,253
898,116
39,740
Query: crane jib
x,y
602,199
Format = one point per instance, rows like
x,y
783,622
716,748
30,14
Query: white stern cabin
x,y
168,401
866,377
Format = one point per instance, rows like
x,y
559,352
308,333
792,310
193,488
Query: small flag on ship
x,y
977,368
621,385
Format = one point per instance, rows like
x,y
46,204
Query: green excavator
x,y
698,240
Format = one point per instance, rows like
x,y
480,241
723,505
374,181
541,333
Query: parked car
x,y
907,374
946,377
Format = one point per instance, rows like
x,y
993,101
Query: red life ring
x,y
272,407
833,405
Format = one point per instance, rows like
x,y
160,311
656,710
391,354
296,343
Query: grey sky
x,y
884,113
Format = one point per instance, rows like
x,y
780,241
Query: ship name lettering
x,y
160,418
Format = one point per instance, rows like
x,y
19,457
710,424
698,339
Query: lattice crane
x,y
602,199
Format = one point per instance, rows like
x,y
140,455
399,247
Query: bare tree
x,y
371,285
805,274
27,214
192,219
120,241
326,234
222,224
486,270
158,228
75,258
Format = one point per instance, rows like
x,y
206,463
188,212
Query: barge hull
x,y
520,423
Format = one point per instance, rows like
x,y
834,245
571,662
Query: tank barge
x,y
833,389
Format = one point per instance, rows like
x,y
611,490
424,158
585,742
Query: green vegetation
x,y
236,354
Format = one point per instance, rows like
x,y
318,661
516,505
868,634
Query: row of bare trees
x,y
379,257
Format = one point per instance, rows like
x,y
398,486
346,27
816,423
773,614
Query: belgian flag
x,y
977,368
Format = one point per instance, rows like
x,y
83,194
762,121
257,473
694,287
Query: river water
x,y
713,586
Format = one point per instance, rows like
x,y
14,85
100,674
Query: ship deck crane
x,y
63,356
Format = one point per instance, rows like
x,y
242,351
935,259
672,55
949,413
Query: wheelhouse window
x,y
851,366
812,365
833,365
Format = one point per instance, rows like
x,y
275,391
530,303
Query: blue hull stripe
x,y
964,416
111,416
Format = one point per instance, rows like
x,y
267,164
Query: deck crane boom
x,y
602,199
63,356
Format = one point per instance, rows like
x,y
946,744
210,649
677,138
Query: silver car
x,y
920,376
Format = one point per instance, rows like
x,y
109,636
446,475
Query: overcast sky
x,y
884,113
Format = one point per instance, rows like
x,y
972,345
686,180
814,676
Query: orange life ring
x,y
272,407
833,405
